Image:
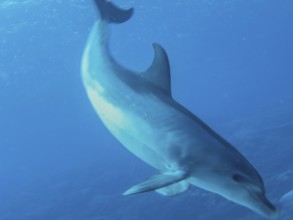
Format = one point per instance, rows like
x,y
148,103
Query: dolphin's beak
x,y
263,206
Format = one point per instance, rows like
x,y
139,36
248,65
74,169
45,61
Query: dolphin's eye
x,y
248,184
238,178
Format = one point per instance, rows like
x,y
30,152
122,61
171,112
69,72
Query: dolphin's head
x,y
249,192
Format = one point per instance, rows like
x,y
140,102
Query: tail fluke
x,y
111,13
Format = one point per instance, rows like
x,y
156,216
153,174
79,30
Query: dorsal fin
x,y
159,72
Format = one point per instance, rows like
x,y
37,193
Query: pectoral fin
x,y
174,189
158,181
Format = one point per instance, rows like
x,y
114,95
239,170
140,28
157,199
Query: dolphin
x,y
138,109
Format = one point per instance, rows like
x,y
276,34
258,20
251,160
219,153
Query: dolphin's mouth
x,y
256,195
264,206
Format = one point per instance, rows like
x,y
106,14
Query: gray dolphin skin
x,y
138,109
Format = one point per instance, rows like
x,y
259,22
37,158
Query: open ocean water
x,y
231,64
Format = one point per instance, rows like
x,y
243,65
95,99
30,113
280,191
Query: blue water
x,y
231,64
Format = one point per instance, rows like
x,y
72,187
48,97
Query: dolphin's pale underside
x,y
138,109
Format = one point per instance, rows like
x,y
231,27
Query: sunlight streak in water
x,y
14,3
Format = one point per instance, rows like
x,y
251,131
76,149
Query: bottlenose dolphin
x,y
138,109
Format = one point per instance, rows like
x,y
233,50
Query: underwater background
x,y
231,65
